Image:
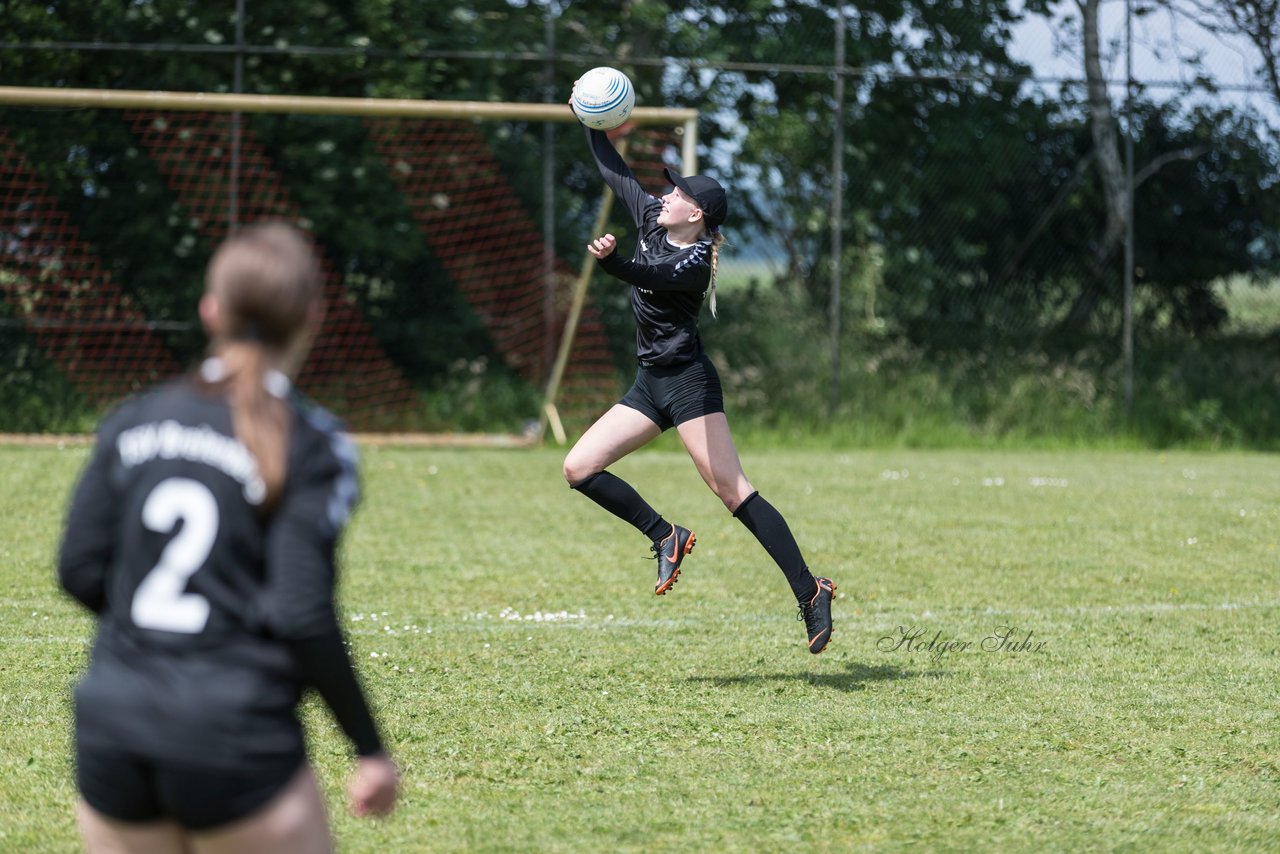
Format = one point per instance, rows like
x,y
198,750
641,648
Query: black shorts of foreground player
x,y
670,274
203,535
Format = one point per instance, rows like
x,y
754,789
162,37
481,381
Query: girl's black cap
x,y
707,192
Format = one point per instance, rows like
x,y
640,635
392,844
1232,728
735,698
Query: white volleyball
x,y
603,98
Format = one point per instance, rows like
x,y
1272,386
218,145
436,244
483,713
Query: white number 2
x,y
159,602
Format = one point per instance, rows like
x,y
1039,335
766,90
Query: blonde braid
x,y
717,238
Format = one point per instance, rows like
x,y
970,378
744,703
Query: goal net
x,y
454,307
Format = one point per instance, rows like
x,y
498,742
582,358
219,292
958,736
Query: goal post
x,y
111,200
224,102
550,411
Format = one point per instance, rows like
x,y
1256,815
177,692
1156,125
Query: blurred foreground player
x,y
203,535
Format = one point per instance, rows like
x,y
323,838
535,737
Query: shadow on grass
x,y
855,677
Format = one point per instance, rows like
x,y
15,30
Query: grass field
x,y
1252,307
540,698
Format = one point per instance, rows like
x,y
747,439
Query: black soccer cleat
x,y
670,552
816,614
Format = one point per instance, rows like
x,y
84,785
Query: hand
x,y
603,247
374,786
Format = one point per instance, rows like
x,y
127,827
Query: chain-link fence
x,y
940,177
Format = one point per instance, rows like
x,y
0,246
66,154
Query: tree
x,y
1256,20
1105,155
918,67
1106,149
985,203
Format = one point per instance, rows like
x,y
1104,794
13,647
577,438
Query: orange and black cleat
x,y
816,614
670,552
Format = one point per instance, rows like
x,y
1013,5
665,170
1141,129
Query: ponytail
x,y
261,420
266,283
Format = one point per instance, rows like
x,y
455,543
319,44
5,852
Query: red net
x,y
58,291
347,369
473,232
491,248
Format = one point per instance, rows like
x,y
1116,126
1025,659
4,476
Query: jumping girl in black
x,y
676,384
203,534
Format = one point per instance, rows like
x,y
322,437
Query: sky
x,y
1162,41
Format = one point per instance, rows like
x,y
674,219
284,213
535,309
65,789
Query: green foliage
x,y
1215,391
1208,216
121,209
34,396
478,396
1196,391
1147,721
970,196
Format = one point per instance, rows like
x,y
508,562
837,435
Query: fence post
x,y
548,193
837,212
237,86
1127,332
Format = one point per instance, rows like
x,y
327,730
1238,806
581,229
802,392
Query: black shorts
x,y
132,788
673,394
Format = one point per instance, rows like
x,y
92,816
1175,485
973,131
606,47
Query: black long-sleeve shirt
x,y
212,618
668,281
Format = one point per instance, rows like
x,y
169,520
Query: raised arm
x,y
618,175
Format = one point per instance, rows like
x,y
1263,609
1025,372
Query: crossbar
x,y
125,99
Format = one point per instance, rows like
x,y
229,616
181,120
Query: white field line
x,y
486,622
473,622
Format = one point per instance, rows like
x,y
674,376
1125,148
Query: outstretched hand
x,y
374,786
603,247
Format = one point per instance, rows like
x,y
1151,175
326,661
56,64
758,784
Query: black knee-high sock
x,y
619,498
763,520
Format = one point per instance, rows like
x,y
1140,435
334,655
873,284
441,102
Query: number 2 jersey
x,y
213,617
668,281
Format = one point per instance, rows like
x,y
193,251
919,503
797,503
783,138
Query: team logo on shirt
x,y
695,256
169,440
